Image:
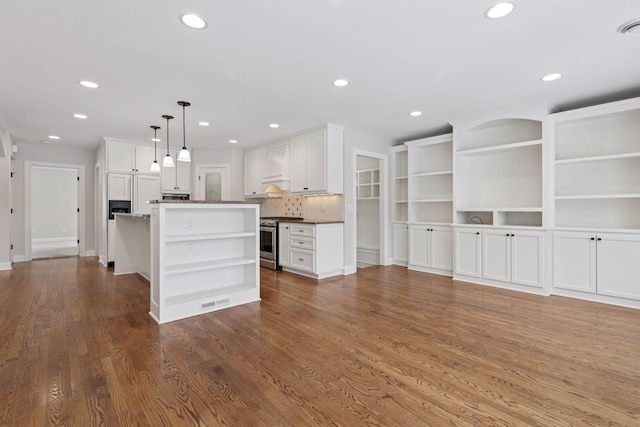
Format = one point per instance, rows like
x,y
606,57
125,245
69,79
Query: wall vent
x,y
210,304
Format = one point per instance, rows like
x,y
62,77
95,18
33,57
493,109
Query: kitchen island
x,y
204,257
132,251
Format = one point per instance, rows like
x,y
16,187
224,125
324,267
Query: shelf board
x,y
367,198
499,209
598,158
499,148
210,236
416,175
401,201
207,265
598,196
209,293
435,200
401,177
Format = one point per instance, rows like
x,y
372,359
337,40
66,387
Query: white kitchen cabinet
x,y
178,178
431,248
146,187
119,186
467,253
514,256
129,158
283,245
315,250
598,263
204,257
144,157
317,162
400,243
254,161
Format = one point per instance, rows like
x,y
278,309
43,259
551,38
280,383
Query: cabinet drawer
x,y
303,230
303,260
308,243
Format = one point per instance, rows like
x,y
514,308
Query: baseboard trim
x,y
19,258
55,239
5,266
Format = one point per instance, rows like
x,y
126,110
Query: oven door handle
x,y
272,229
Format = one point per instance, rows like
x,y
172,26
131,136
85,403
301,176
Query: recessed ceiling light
x,y
630,27
53,137
79,116
499,10
340,83
274,125
192,20
156,139
415,113
203,123
233,141
44,141
90,85
551,77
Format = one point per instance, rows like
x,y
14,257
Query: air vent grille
x,y
216,303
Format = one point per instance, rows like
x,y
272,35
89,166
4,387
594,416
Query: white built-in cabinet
x,y
430,204
313,250
145,188
399,201
514,256
368,184
119,186
204,257
129,158
467,245
254,161
178,178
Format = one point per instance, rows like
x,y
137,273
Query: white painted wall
x,y
5,200
233,156
357,140
52,154
54,200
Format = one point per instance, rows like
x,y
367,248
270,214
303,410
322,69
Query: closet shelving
x,y
368,184
400,203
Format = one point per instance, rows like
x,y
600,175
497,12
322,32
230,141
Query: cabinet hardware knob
x,y
302,243
513,235
306,188
507,234
300,259
599,238
477,232
593,238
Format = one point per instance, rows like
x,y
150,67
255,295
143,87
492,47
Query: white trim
x,y
54,239
5,266
18,258
226,191
28,165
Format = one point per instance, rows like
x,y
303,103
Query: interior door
x,y
213,183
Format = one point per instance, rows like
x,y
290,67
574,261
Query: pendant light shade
x,y
167,162
155,166
184,155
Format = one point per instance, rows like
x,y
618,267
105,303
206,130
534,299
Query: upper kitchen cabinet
x,y
178,178
317,161
129,158
254,161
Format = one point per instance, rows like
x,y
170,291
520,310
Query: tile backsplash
x,y
310,207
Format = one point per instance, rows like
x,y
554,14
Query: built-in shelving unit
x,y
400,203
204,258
368,184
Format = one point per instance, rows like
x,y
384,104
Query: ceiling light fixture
x,y
499,10
551,77
167,162
630,27
203,124
415,113
79,116
89,84
44,141
274,125
340,83
192,20
184,155
233,141
53,137
155,166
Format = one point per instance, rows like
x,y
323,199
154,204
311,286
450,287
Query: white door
x,y
497,255
574,261
442,248
212,182
618,265
119,186
400,243
468,252
419,245
527,258
147,187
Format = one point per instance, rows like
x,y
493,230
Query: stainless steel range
x,y
269,241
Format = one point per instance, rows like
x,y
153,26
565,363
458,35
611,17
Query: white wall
x,y
5,201
357,140
54,200
232,156
52,154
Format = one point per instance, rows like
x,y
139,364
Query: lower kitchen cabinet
x,y
602,264
313,250
400,243
431,248
468,252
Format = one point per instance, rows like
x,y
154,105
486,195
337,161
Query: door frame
x,y
202,168
28,166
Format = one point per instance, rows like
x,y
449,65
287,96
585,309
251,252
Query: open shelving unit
x,y
400,203
368,184
205,257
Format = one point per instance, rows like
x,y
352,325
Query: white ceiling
x,y
262,61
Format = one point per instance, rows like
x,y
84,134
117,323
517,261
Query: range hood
x,y
275,172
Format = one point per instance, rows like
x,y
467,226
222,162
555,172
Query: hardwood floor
x,y
385,347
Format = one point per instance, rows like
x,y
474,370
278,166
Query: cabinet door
x,y
618,265
527,260
317,162
496,255
468,252
299,164
419,245
143,159
183,176
168,176
253,163
120,158
400,243
283,244
442,248
119,186
574,261
147,187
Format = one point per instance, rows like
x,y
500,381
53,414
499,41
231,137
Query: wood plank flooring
x,y
386,347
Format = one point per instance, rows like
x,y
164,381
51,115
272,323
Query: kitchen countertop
x,y
226,202
314,221
143,216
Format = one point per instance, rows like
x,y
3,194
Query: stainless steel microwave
x,y
175,196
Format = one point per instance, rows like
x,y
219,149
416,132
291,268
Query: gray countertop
x,y
130,215
314,221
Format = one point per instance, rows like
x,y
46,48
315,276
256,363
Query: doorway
x,y
54,222
369,234
213,182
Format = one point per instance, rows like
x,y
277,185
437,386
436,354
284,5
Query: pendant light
x,y
155,166
168,161
184,155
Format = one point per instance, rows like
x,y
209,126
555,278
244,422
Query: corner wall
x,y
5,201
